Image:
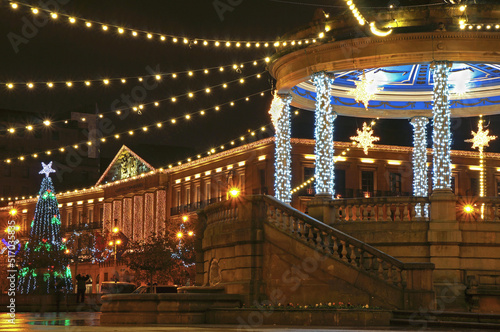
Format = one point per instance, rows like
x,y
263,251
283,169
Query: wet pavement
x,y
89,321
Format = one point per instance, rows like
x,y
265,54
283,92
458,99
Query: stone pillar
x,y
149,214
138,217
108,216
444,235
127,225
420,180
280,112
161,210
323,134
117,214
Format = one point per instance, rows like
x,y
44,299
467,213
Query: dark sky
x,y
61,51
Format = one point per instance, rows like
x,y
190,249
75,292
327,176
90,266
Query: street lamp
x,y
115,243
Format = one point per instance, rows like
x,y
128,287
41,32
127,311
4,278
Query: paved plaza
x,y
83,321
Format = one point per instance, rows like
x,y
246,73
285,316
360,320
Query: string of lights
x,y
131,132
420,180
232,143
323,134
339,157
155,36
139,108
280,111
74,83
441,135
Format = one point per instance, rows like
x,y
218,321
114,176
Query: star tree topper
x,y
480,139
47,169
365,90
365,138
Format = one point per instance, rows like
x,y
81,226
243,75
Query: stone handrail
x,y
341,246
380,209
491,209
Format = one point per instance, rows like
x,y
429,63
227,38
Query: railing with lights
x,y
478,209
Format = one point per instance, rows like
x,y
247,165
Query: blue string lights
x,y
323,134
441,135
280,113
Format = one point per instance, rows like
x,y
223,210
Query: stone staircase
x,y
404,285
443,319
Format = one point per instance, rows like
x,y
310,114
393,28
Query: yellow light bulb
x,y
54,15
13,5
30,85
87,83
150,36
179,235
120,30
50,84
34,10
88,24
173,121
72,20
158,77
228,44
134,33
46,122
69,84
30,127
10,85
105,81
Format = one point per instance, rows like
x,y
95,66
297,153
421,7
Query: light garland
x,y
365,138
365,90
302,185
131,132
73,83
420,180
280,113
441,135
323,134
480,140
139,108
355,12
155,36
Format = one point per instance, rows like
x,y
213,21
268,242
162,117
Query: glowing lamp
x,y
118,242
190,233
111,243
115,230
185,218
468,208
234,192
66,251
13,212
179,235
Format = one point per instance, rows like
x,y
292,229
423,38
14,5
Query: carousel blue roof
x,y
409,87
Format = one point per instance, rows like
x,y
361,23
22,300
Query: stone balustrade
x,y
484,209
351,251
379,209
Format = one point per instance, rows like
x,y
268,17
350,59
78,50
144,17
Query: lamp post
x,y
115,242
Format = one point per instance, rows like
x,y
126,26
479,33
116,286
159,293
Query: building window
x,y
177,198
453,184
474,187
80,214
198,194
188,196
367,184
219,190
69,218
242,182
395,183
263,187
339,183
208,188
309,173
101,213
89,215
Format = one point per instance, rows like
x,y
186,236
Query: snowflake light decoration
x,y
365,138
365,90
276,109
480,139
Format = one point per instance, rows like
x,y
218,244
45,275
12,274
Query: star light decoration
x,y
479,140
365,138
365,90
47,169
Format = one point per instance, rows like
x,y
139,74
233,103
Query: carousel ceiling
x,y
406,91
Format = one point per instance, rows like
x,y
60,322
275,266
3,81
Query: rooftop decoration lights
x,y
365,138
420,180
323,134
441,135
365,90
480,140
280,114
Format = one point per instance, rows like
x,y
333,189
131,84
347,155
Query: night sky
x,y
62,51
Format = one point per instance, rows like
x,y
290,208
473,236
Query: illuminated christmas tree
x,y
45,264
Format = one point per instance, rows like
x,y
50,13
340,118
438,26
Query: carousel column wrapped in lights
x,y
280,116
323,134
441,135
420,180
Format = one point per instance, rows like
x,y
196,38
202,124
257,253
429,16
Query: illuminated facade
x,y
143,203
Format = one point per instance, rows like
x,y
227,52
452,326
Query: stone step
x,y
446,319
